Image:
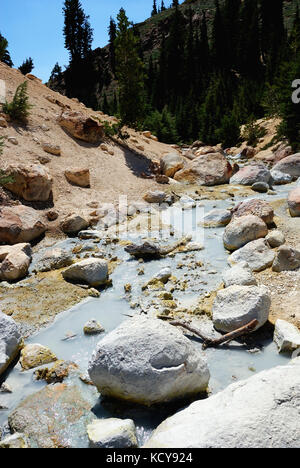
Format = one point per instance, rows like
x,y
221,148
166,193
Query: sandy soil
x,y
111,176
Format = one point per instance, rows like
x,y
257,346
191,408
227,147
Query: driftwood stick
x,y
210,342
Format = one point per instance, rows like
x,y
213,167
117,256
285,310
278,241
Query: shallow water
x,y
227,363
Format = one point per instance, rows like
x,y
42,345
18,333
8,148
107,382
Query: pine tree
x,y
130,73
154,9
56,72
78,36
162,7
273,35
4,54
77,30
219,51
112,37
18,109
27,66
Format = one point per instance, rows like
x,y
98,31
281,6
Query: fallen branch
x,y
210,342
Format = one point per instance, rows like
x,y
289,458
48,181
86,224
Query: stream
x,y
227,363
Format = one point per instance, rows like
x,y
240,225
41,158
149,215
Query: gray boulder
x,y
286,336
275,238
54,259
171,163
15,441
240,274
249,175
148,361
241,231
289,165
217,218
287,259
261,412
10,341
260,187
112,433
280,178
55,417
236,306
93,271
257,254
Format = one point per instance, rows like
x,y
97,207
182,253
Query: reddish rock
x,y
20,224
210,169
283,152
32,182
294,202
251,174
289,165
256,207
82,127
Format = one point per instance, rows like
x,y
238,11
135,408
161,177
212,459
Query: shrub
x,y
253,132
19,108
27,66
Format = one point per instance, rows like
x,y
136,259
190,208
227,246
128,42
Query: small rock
x,y
12,140
155,196
217,218
275,239
92,327
52,215
79,177
15,441
287,259
57,373
73,223
35,355
260,187
286,336
240,274
52,149
112,433
92,271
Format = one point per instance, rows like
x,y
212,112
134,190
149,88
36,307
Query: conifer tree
x,y
112,37
130,72
77,30
4,54
154,9
162,7
27,66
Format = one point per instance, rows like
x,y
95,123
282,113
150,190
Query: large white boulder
x,y
257,254
240,274
261,412
148,361
93,271
286,336
10,341
242,230
237,306
112,433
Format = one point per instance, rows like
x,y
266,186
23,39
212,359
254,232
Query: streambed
x,y
227,363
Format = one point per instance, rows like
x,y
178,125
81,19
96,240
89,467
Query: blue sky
x,y
34,27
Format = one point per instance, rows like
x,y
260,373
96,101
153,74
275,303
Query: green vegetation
x,y
198,70
253,132
4,54
27,66
129,72
19,108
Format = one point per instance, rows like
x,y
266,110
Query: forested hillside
x,y
202,68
